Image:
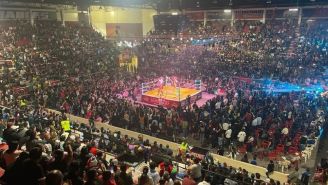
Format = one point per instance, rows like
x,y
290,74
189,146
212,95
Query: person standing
x,y
144,179
196,170
270,168
305,177
153,173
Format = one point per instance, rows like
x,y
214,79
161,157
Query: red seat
x,y
242,149
265,144
319,175
272,155
292,150
280,148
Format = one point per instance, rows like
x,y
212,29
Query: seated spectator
x,y
254,162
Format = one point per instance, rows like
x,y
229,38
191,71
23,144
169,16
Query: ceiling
x,y
164,5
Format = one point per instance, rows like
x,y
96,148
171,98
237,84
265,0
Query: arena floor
x,y
171,93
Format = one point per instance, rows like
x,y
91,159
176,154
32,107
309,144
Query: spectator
x,y
74,174
187,180
196,170
245,158
241,137
305,177
167,180
253,162
33,171
91,177
123,178
108,179
153,173
144,179
54,177
9,157
258,180
61,162
206,181
270,168
9,134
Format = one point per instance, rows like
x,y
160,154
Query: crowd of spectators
x,y
73,69
40,151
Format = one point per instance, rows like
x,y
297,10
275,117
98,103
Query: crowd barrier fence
x,y
282,177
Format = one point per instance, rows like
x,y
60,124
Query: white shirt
x,y
257,121
228,133
225,101
170,182
204,183
154,176
284,131
250,139
225,126
218,105
195,171
241,136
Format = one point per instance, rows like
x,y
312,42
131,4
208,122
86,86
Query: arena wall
x,y
101,16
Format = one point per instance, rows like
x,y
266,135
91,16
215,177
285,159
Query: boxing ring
x,y
169,92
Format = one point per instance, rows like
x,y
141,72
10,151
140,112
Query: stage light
x,y
180,38
172,38
191,38
174,13
293,9
227,11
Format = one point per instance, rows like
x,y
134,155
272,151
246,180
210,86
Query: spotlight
x,y
293,9
227,11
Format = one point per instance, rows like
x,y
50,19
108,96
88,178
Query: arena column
x,y
83,9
